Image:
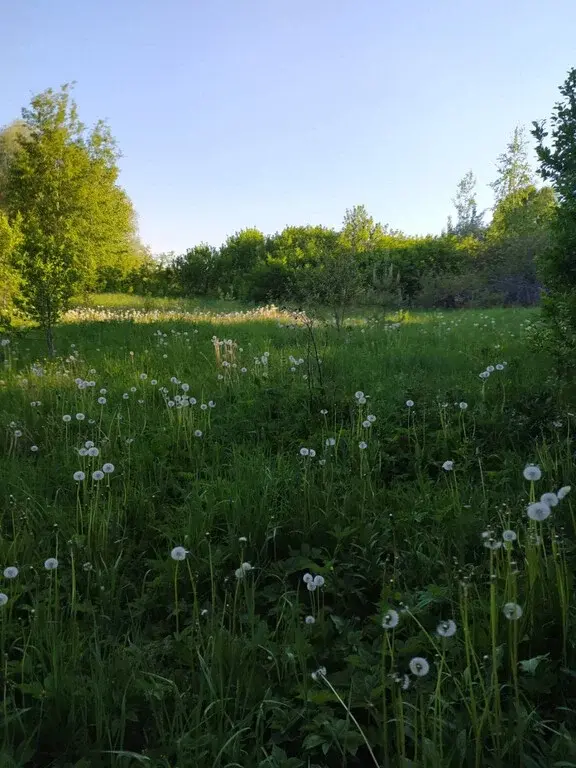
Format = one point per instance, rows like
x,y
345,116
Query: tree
x,y
9,145
514,171
468,220
9,280
62,183
195,269
558,264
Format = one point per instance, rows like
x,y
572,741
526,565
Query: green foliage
x,y
9,278
74,217
558,263
468,219
123,656
514,171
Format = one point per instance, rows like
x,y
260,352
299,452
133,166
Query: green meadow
x,y
238,537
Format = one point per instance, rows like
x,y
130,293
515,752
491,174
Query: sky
x,y
267,113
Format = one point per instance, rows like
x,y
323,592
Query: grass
x,y
125,656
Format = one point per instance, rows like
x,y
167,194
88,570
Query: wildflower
x,y
446,628
512,611
563,492
246,567
448,465
102,401
509,535
362,445
97,475
490,368
243,370
79,476
390,619
491,543
153,382
320,673
17,433
330,441
324,412
87,567
132,389
66,418
11,572
108,468
410,403
419,666
538,511
93,451
211,404
307,578
33,448
185,387
125,396
3,598
88,444
371,418
197,433
484,374
499,367
51,564
310,620
242,539
310,586
366,424
178,553
463,406
204,407
532,472
80,417
319,581
405,682
321,462
103,391
304,451
143,376
549,498
359,395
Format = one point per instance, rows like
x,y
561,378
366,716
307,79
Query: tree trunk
x,y
50,341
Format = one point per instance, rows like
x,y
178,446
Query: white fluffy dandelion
x,y
509,535
318,674
362,445
309,620
319,581
366,424
371,418
390,619
532,472
419,666
307,578
304,451
549,498
108,468
178,553
93,451
79,476
410,403
463,406
330,441
512,611
98,475
538,511
197,433
446,628
448,465
51,564
80,417
102,401
11,572
3,599
66,418
563,492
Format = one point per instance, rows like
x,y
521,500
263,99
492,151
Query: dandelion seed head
x,y
509,535
79,476
410,403
538,511
419,666
549,498
51,564
3,599
390,619
512,611
310,620
178,553
563,492
446,628
448,465
532,472
97,475
11,572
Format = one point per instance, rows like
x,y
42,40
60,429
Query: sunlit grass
x,y
126,655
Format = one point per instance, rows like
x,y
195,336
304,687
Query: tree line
x,y
67,227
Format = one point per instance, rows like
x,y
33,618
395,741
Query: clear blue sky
x,y
236,113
